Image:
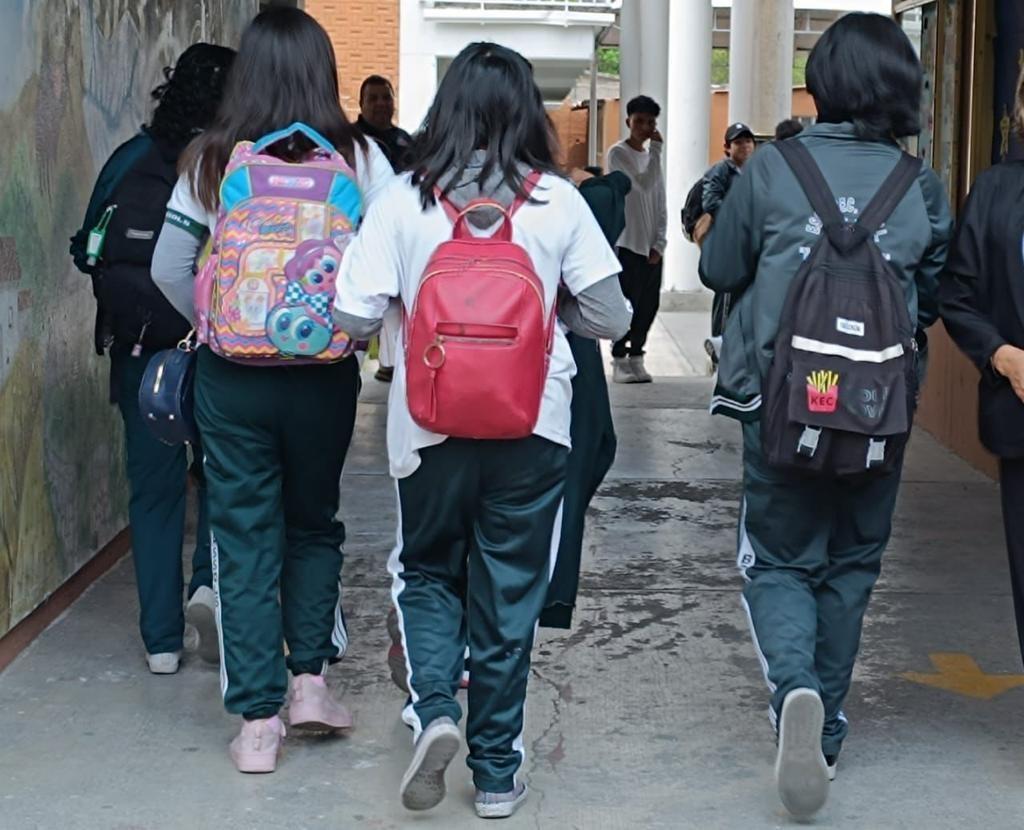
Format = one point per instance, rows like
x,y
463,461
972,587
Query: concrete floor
x,y
649,714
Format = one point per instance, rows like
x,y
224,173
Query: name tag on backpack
x,y
853,327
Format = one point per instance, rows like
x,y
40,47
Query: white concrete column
x,y
686,130
654,49
742,27
761,63
630,50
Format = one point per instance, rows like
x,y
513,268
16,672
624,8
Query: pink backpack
x,y
264,295
478,340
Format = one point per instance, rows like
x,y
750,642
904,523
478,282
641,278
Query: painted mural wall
x,y
74,83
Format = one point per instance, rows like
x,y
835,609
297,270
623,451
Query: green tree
x,y
608,60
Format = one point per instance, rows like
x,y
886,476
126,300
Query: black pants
x,y
719,313
593,451
1011,483
641,284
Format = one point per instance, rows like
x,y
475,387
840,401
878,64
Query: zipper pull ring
x,y
137,348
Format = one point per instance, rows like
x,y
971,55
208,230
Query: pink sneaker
x,y
258,744
314,709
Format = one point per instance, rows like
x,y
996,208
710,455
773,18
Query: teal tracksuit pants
x,y
477,522
158,482
275,440
811,551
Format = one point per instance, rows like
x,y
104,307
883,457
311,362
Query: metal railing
x,y
566,6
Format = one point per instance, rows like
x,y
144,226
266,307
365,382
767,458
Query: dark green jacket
x,y
766,228
606,197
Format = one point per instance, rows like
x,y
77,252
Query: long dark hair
x,y
487,101
880,96
188,99
285,72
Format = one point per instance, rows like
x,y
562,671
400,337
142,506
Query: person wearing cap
x,y
739,147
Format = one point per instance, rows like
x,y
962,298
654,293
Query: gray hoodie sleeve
x,y
173,267
358,328
599,311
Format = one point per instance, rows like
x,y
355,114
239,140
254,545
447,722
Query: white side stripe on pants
x,y
396,568
215,566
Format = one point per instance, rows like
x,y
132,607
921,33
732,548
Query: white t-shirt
x,y
373,173
388,257
646,216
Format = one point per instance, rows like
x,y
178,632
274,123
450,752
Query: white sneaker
x,y
201,613
622,371
166,662
423,784
639,370
800,768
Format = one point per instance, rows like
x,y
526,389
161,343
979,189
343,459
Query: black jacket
x,y
982,296
394,141
717,181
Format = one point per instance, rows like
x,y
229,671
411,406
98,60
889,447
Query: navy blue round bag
x,y
166,394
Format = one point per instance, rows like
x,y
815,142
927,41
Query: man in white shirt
x,y
642,244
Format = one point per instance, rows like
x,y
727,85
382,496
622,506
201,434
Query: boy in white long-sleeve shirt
x,y
642,244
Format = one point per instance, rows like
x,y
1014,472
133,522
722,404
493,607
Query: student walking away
x,y
134,321
478,419
642,244
281,179
983,310
824,374
376,117
592,430
719,179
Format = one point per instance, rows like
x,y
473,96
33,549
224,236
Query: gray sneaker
x,y
636,363
622,372
423,784
499,805
800,768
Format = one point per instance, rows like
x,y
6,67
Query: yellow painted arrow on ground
x,y
958,673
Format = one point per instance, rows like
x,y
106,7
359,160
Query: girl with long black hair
x,y
275,437
478,519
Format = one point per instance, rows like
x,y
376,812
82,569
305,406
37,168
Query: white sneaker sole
x,y
202,617
423,784
800,769
163,667
503,810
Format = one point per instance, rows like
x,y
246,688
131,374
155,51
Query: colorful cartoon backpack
x,y
264,295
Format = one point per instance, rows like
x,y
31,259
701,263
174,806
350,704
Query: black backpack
x,y
841,392
693,209
139,312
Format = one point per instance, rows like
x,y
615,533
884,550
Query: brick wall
x,y
365,37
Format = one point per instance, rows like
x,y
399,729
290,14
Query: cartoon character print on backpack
x,y
301,325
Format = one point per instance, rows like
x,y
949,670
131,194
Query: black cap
x,y
737,130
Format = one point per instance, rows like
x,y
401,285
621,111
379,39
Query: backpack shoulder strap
x,y
891,193
811,179
529,185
